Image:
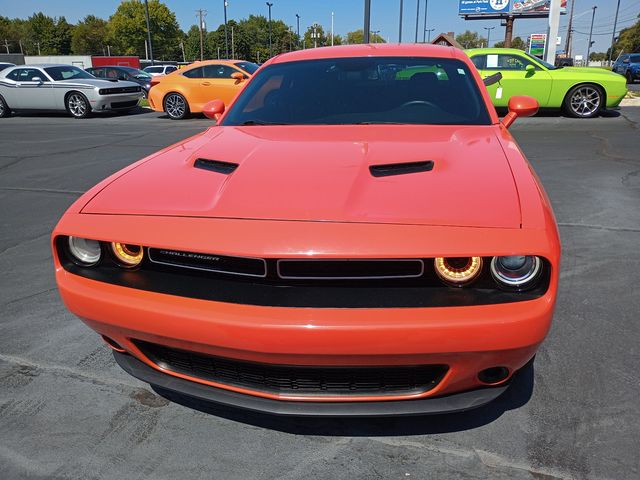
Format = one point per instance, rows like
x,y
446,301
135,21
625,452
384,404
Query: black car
x,y
124,73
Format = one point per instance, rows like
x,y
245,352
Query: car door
x,y
520,76
30,94
220,85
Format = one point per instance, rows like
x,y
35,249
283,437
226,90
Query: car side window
x,y
218,71
507,62
121,75
170,69
479,61
97,72
193,73
26,74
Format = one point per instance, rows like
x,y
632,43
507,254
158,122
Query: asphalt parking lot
x,y
67,410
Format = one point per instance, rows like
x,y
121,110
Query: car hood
x,y
97,82
322,173
585,72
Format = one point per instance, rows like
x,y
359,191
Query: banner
x,y
499,8
479,7
535,7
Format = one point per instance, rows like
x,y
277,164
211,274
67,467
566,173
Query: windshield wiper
x,y
260,122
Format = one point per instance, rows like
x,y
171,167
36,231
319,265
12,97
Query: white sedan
x,y
63,87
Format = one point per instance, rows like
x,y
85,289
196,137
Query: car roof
x,y
213,62
46,65
371,50
494,50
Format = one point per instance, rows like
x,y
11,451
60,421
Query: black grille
x,y
129,104
117,90
250,267
350,269
302,380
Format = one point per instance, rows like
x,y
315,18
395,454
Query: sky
x,y
442,15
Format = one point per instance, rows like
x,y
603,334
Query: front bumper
x,y
446,404
115,102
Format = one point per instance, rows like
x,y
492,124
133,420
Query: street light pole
x,y
332,29
298,28
417,17
226,37
367,21
400,26
270,44
593,17
488,29
424,31
613,34
146,12
429,30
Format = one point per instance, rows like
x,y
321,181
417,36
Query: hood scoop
x,y
226,168
391,169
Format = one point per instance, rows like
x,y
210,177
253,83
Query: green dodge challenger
x,y
581,92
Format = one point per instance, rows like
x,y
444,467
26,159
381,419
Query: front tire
x,y
5,111
584,101
77,105
176,106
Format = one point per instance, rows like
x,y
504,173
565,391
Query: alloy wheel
x,y
77,105
585,101
175,106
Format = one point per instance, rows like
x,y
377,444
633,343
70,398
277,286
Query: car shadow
x,y
551,112
62,114
517,395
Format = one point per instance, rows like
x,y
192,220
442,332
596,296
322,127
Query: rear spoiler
x,y
491,79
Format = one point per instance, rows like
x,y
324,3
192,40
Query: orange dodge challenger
x,y
348,239
187,90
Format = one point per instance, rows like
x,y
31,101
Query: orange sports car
x,y
187,90
346,240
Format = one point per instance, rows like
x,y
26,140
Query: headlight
x,y
458,270
84,251
127,255
515,271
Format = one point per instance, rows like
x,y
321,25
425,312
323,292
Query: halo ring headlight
x,y
458,270
85,252
516,271
127,255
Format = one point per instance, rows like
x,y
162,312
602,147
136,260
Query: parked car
x,y
128,74
188,90
156,70
340,243
581,92
628,65
5,65
63,87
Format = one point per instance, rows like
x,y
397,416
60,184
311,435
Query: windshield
x,y
362,90
542,62
67,72
248,67
137,73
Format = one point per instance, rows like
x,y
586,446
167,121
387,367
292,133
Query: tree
x,y
315,36
597,56
628,41
192,44
127,30
41,34
470,39
63,36
516,42
357,36
89,36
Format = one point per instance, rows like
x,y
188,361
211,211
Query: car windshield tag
x,y
499,92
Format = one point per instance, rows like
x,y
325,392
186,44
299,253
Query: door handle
x,y
205,84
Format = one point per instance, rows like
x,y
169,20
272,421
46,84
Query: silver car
x,y
63,87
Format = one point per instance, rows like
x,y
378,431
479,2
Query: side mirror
x,y
238,77
213,109
491,79
530,69
520,106
37,80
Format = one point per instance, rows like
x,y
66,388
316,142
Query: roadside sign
x,y
537,43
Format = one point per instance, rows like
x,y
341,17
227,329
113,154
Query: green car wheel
x,y
584,101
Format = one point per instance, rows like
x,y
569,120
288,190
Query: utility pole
x,y
417,17
332,29
226,37
374,36
613,34
429,30
108,49
201,14
20,44
6,45
146,51
270,44
298,28
424,31
218,53
567,47
146,13
488,29
184,58
233,45
552,32
367,21
400,26
508,32
593,17
314,35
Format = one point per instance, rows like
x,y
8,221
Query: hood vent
x,y
401,168
226,168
